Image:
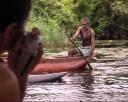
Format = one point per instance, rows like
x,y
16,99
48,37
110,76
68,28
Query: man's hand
x,y
15,54
72,40
88,59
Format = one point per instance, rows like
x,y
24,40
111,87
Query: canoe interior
x,y
62,59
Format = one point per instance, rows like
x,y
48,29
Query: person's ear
x,y
10,33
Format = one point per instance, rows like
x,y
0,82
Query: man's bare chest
x,y
86,33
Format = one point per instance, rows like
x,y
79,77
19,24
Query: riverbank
x,y
99,44
111,43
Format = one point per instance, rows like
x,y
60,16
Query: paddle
x,y
74,44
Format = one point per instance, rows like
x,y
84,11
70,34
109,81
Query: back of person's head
x,y
13,11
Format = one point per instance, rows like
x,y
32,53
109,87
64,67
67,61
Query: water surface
x,y
107,83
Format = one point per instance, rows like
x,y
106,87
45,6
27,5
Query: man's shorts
x,y
86,51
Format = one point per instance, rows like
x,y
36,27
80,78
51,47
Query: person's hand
x,y
15,52
36,59
72,40
88,60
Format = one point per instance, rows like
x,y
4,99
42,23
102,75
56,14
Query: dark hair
x,y
13,11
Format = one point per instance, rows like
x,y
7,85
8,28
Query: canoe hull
x,y
46,77
60,64
58,67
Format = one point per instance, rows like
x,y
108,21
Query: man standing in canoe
x,y
88,40
24,52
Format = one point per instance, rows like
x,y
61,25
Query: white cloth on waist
x,y
85,50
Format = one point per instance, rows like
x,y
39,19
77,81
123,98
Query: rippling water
x,y
107,83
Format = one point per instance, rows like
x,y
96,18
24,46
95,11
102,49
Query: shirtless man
x,y
88,39
13,15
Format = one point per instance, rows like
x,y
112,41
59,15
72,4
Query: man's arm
x,y
76,34
92,45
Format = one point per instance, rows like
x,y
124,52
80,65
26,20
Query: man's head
x,y
13,14
85,22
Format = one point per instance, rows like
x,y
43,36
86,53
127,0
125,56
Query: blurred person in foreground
x,y
24,50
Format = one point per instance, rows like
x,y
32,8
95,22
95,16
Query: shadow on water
x,y
108,82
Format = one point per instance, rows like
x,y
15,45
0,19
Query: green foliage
x,y
60,11
52,34
96,11
119,19
109,17
56,18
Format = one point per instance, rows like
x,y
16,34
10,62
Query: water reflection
x,y
87,81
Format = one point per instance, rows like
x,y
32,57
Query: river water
x,y
108,82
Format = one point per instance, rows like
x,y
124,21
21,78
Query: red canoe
x,y
60,64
